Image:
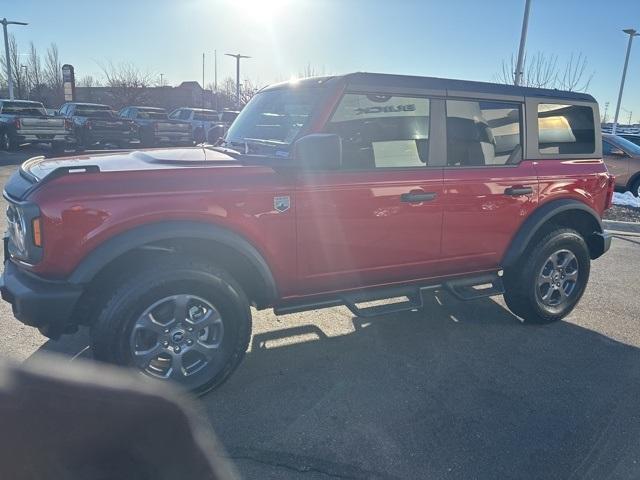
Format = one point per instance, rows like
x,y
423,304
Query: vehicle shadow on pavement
x,y
458,390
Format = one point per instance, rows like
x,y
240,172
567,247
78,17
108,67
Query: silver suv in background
x,y
24,121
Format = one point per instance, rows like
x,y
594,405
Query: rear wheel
x,y
181,321
548,283
8,142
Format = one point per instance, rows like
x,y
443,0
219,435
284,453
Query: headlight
x,y
20,219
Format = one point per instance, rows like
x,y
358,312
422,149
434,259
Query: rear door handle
x,y
417,197
517,191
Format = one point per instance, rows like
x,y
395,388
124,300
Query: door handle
x,y
417,197
517,191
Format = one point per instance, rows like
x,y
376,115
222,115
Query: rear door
x,y
378,219
488,188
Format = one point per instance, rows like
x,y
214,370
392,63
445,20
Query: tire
x,y
147,139
160,290
562,285
8,142
635,188
4,141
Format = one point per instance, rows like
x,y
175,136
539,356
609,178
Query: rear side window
x,y
483,133
565,129
382,131
206,116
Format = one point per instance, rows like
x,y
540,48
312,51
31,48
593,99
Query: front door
x,y
488,189
378,219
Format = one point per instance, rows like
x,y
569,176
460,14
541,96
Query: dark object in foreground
x,y
71,421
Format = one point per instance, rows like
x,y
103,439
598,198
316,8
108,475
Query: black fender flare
x,y
538,219
124,242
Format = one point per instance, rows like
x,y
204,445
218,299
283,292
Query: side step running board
x,y
470,288
467,288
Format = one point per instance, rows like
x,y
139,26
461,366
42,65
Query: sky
x,y
465,39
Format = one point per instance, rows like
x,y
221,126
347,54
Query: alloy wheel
x,y
558,278
176,337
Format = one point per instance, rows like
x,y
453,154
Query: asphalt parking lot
x,y
459,390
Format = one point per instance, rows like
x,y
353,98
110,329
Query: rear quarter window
x,y
565,129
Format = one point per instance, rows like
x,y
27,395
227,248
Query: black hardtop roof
x,y
434,83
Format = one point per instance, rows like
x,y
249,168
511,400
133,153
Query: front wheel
x,y
548,282
182,321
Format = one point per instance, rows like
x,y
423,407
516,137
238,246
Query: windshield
x,y
93,111
274,116
628,146
153,114
24,108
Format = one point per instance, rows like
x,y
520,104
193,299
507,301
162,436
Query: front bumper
x,y
45,304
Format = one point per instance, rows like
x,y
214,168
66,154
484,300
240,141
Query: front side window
x,y
565,129
274,117
481,133
382,131
150,114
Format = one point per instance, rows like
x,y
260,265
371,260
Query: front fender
x,y
139,236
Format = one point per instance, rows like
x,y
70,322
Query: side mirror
x,y
318,151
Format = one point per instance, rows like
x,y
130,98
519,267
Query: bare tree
x,y
53,74
17,72
311,71
247,91
88,81
543,71
127,84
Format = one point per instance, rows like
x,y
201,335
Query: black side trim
x,y
537,219
120,244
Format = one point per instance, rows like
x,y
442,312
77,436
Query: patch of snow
x,y
626,199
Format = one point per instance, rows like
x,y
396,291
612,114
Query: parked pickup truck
x,y
215,133
155,128
28,122
98,124
348,190
201,120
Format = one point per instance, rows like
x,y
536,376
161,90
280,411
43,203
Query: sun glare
x,y
263,11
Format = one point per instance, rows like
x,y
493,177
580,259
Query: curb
x,y
628,227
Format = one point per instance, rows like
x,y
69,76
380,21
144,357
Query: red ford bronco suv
x,y
327,191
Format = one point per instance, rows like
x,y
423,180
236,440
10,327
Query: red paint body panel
x,y
479,219
82,211
354,230
582,180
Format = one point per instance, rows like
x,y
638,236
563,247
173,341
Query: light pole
x,y
632,33
237,56
26,79
6,22
523,40
161,80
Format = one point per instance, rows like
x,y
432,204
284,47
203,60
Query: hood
x,y
153,159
